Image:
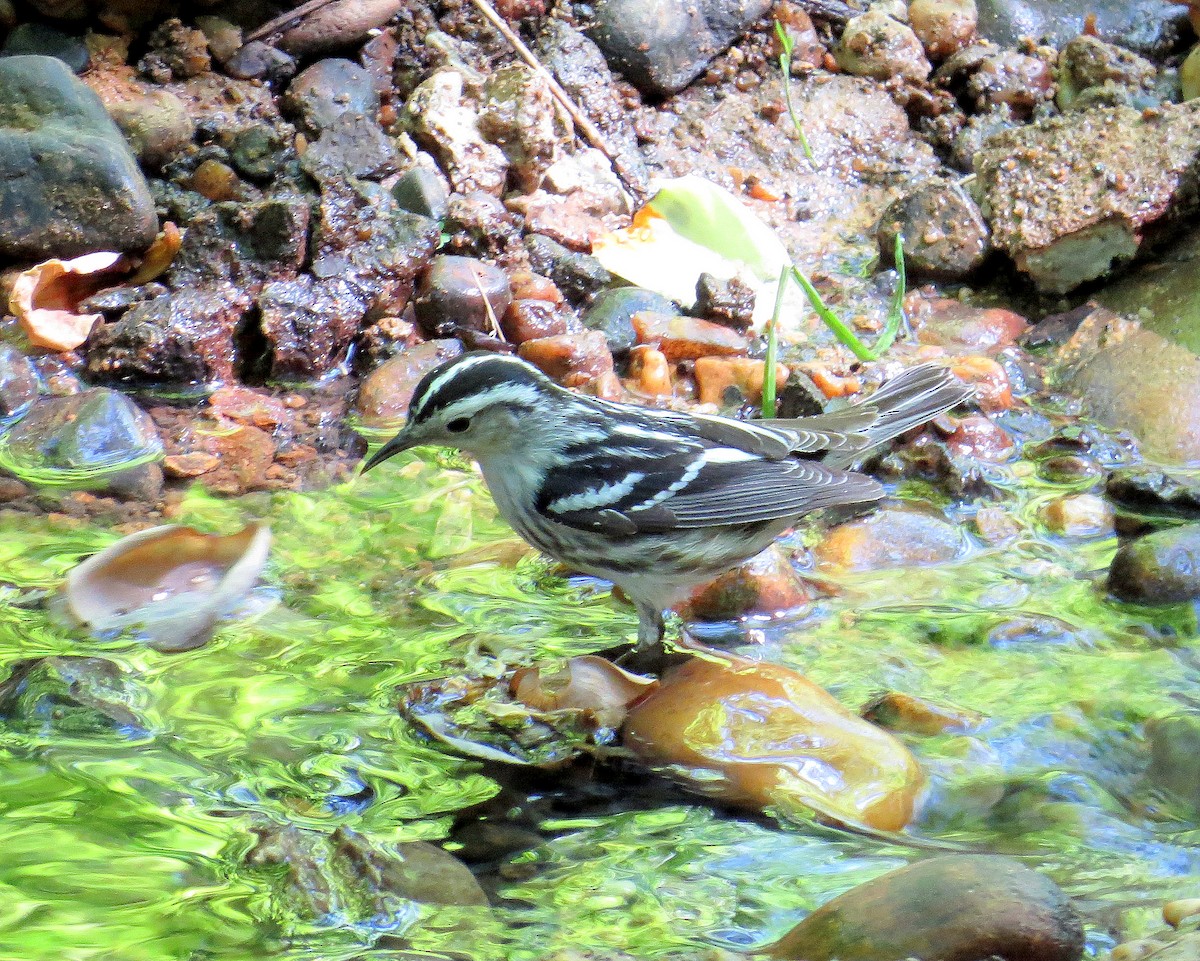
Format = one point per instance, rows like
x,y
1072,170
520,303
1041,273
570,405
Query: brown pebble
x,y
189,465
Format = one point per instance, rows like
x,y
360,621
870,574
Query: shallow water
x,y
128,818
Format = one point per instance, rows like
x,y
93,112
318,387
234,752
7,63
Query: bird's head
x,y
480,403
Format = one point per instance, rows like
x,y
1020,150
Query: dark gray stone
x,y
945,237
578,276
71,185
260,61
420,191
329,89
663,45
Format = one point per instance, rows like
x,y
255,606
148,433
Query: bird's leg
x,y
652,628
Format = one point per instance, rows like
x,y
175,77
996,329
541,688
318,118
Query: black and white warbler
x,y
655,501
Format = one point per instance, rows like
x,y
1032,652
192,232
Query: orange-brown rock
x,y
715,375
765,584
571,359
687,338
761,735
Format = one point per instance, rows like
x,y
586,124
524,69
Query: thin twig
x,y
286,19
590,132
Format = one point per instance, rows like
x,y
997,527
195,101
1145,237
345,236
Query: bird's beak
x,y
401,442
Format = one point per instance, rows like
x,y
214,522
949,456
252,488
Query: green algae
x,y
128,834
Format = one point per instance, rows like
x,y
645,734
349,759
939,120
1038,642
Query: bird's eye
x,y
458,425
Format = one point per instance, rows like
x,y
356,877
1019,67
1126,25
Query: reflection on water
x,y
134,784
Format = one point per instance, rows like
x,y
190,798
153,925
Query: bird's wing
x,y
693,488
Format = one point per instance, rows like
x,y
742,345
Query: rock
x,y
480,225
572,359
729,302
996,526
322,93
40,39
758,735
961,907
977,437
366,249
1139,381
384,395
154,121
717,376
890,538
663,45
530,319
767,584
1068,197
190,465
897,711
75,696
18,383
1009,79
352,146
1175,756
257,60
180,338
216,181
1070,469
875,45
309,330
460,293
943,231
1189,75
1160,568
177,52
962,329
259,151
82,439
1150,489
649,372
441,123
1142,25
523,119
1091,71
1079,515
224,39
943,26
687,338
579,276
71,184
579,66
421,191
246,454
316,876
343,23
612,314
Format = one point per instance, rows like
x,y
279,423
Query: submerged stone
x,y
80,439
1160,568
70,695
963,907
18,383
612,313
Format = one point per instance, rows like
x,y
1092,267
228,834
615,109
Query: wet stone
x,y
943,26
962,907
177,52
767,584
1014,80
257,60
421,191
572,359
729,302
1079,515
962,329
1151,488
385,392
1090,69
1160,568
875,45
97,430
18,383
898,711
154,121
522,117
578,276
612,312
337,25
480,225
353,145
308,328
41,39
456,293
943,231
661,46
1142,25
687,338
71,184
258,151
1175,756
71,695
328,90
890,538
530,319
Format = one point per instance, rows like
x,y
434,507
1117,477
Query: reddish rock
x,y
461,293
571,359
766,584
687,338
906,712
530,319
715,375
889,538
526,285
1080,515
245,405
976,436
963,329
988,379
246,455
190,465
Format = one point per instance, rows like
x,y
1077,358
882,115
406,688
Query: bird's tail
x,y
908,400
